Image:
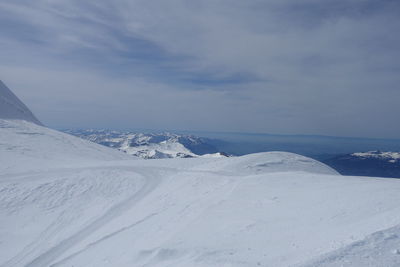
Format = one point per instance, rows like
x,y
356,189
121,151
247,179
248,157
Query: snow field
x,y
67,202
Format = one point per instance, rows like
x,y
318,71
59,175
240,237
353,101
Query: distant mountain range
x,y
372,163
151,145
171,145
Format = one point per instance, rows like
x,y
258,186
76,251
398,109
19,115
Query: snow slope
x,y
67,202
28,146
12,108
378,249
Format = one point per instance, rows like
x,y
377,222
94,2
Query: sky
x,y
274,66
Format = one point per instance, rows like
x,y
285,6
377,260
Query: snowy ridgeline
x,y
69,202
151,145
13,108
168,145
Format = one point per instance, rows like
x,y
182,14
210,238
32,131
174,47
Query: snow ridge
x,y
26,145
13,108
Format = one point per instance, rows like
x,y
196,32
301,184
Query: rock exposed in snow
x,y
151,145
389,156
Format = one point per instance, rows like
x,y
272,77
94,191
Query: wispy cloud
x,y
307,66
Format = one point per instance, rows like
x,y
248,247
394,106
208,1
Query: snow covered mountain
x,y
255,210
12,108
151,145
70,202
372,163
391,157
25,145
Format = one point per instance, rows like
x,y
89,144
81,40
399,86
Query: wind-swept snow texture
x,y
28,146
265,209
12,108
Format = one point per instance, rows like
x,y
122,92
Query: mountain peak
x,y
13,108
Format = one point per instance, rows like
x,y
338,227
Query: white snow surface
x,y
68,202
28,146
13,108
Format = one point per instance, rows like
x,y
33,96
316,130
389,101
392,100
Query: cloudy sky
x,y
329,67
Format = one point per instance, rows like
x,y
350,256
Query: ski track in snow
x,y
152,178
46,258
104,238
52,254
67,202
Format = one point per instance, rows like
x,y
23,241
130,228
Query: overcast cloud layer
x,y
294,67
